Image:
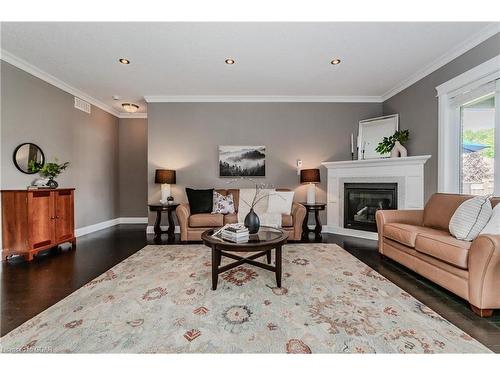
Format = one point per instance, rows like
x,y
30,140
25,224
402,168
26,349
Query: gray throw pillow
x,y
470,218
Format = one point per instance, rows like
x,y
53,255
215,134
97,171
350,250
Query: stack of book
x,y
235,233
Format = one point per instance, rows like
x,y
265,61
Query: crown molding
x,y
260,99
467,45
133,115
44,76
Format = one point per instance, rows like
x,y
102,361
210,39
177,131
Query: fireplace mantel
x,y
382,162
407,172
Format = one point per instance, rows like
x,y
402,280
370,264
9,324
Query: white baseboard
x,y
151,229
350,232
109,223
133,220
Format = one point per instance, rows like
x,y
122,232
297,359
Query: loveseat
x,y
192,226
420,240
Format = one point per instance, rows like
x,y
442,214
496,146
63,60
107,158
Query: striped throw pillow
x,y
470,218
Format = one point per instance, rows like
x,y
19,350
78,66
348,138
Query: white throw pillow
x,y
246,197
493,226
470,218
280,202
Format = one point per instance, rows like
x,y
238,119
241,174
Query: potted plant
x,y
51,171
394,144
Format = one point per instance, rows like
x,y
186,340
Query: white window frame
x,y
449,151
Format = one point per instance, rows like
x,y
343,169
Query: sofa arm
x,y
484,272
413,217
183,212
298,215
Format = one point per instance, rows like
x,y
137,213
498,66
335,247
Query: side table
x,y
159,209
316,208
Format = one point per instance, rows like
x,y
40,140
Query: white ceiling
x,y
272,59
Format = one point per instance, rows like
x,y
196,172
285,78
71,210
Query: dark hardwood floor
x,y
29,288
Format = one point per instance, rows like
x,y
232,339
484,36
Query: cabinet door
x,y
64,226
40,218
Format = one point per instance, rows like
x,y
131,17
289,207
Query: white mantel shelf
x,y
407,172
409,160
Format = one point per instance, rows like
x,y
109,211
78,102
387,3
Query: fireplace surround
x,y
363,200
407,173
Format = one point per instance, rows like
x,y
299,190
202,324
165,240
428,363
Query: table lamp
x,y
165,177
310,177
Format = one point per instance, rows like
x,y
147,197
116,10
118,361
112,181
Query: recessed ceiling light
x,y
335,62
124,61
229,61
130,107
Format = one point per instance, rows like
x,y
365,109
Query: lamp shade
x,y
309,176
165,176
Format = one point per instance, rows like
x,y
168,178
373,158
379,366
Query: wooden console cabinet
x,y
36,220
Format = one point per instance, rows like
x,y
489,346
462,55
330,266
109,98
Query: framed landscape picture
x,y
242,161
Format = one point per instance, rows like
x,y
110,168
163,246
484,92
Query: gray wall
x,y
418,106
35,111
133,167
185,136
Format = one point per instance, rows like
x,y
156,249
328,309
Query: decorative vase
x,y
399,151
252,222
51,183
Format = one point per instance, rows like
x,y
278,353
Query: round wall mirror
x,y
28,158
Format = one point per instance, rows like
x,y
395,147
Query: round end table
x,y
316,208
168,208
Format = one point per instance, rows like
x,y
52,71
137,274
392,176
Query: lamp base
x,y
165,194
311,194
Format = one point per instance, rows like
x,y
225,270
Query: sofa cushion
x,y
440,208
286,220
444,247
206,220
230,218
406,234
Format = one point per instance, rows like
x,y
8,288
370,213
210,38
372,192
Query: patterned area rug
x,y
160,300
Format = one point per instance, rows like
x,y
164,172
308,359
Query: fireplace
x,y
363,200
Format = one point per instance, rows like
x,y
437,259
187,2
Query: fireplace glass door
x,y
363,200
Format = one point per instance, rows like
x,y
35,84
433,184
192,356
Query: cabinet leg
x,y
29,257
73,244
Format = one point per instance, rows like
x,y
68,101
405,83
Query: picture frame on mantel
x,y
372,131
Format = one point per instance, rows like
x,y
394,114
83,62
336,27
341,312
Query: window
x,y
477,167
469,131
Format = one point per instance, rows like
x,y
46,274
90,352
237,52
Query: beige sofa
x,y
420,240
192,226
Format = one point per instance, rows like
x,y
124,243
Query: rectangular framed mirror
x,y
372,131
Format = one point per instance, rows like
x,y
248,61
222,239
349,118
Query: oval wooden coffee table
x,y
261,243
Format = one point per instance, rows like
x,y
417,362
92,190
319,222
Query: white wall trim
x,y
44,76
133,115
448,137
489,70
467,45
350,232
109,223
260,98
